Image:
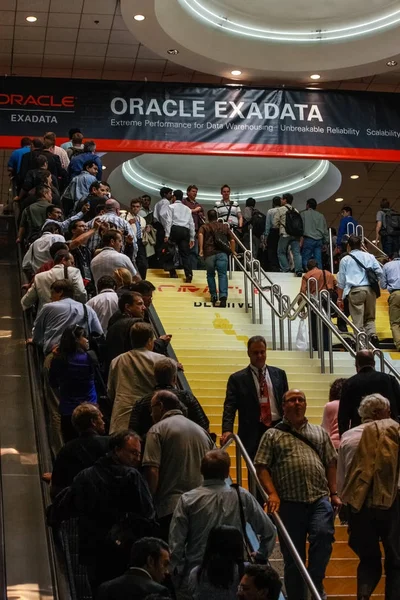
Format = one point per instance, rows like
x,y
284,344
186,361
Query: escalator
x,y
27,558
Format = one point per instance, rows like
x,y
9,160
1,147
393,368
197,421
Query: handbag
x,y
302,338
372,277
221,241
247,545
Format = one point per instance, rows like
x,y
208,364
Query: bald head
x,y
112,205
364,358
294,406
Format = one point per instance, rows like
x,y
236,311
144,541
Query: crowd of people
x,y
134,460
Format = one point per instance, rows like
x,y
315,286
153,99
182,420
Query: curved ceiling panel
x,y
284,20
260,178
342,39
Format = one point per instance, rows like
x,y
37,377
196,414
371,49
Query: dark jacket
x,y
101,495
74,457
118,338
131,585
367,381
241,396
28,162
141,421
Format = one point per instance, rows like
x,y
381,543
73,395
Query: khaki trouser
x,y
362,306
394,316
52,404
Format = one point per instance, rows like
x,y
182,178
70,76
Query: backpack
x,y
221,240
74,152
372,277
391,222
294,223
258,222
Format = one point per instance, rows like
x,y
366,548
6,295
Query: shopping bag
x,y
302,336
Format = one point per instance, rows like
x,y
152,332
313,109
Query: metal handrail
x,y
242,453
296,308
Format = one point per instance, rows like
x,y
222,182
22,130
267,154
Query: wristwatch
x,y
334,494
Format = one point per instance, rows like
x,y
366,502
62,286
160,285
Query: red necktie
x,y
265,405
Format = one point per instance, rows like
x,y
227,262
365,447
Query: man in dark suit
x,y
149,565
366,381
256,392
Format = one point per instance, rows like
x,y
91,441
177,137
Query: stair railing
x,y
322,306
255,484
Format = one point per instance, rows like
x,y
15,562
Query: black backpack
x,y
391,222
258,222
294,222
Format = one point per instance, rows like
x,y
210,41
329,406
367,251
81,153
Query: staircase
x,y
211,344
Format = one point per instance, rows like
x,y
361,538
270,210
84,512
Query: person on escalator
x,y
166,376
83,451
72,374
131,374
114,509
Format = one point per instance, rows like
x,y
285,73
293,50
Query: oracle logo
x,y
42,101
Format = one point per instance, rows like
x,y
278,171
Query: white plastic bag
x,y
302,336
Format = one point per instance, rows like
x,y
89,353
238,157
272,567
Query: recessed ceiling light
x,y
391,63
338,199
315,76
139,17
173,51
236,72
104,167
31,19
354,176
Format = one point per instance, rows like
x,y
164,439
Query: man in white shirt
x,y
39,252
49,141
138,225
40,290
110,258
179,229
353,283
160,211
105,304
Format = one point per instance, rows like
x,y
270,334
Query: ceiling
x,y
259,178
376,181
90,39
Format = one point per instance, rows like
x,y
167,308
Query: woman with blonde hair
x,y
123,277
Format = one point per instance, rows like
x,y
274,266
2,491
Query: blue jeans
x,y
311,249
283,245
217,262
316,521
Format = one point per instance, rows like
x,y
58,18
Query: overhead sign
x,y
156,117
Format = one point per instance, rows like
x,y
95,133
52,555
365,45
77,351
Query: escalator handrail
x,y
233,437
57,566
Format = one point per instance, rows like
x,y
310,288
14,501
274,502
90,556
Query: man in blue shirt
x,y
347,217
77,162
391,281
353,283
48,328
14,162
